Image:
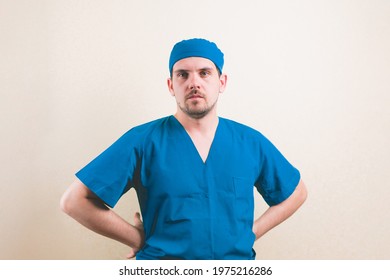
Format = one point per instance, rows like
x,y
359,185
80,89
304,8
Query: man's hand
x,y
278,213
88,209
139,226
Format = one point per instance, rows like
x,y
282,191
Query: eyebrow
x,y
201,69
206,69
180,71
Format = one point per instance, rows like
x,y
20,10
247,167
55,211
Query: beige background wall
x,y
313,76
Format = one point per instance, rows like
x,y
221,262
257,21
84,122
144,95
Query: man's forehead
x,y
191,63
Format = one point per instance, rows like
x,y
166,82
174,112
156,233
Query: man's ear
x,y
223,81
170,86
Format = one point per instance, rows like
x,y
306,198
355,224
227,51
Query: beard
x,y
196,108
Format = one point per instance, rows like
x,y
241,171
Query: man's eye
x,y
182,75
204,73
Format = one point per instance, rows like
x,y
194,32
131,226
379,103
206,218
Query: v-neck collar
x,y
192,144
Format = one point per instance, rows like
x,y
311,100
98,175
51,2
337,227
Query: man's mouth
x,y
195,95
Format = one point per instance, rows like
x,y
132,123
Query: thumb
x,y
137,220
131,254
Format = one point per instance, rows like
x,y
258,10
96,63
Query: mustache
x,y
193,93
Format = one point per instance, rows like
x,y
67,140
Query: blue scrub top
x,y
193,209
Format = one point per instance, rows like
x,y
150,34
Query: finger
x,y
130,255
137,219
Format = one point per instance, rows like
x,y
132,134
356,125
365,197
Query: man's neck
x,y
205,125
201,131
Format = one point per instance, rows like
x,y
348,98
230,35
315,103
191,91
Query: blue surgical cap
x,y
196,48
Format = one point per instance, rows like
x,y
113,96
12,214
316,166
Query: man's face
x,y
196,85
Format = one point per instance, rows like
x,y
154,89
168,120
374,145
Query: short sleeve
x,y
110,174
278,178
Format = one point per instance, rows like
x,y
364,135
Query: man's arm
x,y
278,213
84,206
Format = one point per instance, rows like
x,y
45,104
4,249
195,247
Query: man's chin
x,y
196,114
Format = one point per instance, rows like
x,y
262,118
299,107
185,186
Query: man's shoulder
x,y
143,131
239,128
151,125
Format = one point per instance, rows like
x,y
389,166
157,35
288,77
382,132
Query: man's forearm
x,y
107,223
278,213
90,211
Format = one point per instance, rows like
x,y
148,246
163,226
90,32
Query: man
x,y
193,173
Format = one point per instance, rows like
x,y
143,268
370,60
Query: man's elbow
x,y
302,192
72,198
65,204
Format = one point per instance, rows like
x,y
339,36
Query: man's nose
x,y
194,82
